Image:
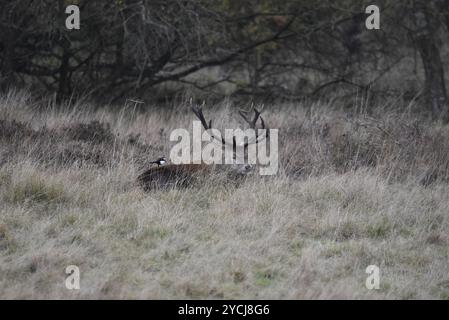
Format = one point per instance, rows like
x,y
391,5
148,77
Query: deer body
x,y
171,175
184,175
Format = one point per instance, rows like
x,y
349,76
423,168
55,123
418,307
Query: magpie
x,y
159,161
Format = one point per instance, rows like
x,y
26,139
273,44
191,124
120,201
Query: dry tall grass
x,y
354,189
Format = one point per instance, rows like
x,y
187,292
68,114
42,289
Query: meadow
x,y
357,186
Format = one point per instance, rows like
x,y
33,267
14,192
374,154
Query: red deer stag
x,y
183,175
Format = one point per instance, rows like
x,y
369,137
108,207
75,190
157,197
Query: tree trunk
x,y
7,69
64,80
425,40
64,42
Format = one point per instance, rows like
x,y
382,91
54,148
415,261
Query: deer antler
x,y
252,123
198,111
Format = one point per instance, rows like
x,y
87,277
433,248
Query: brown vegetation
x,y
354,189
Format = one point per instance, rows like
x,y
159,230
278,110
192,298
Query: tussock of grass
x,y
7,242
347,195
35,189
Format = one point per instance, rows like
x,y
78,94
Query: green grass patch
x,y
264,278
380,229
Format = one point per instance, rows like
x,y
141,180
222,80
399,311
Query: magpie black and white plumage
x,y
160,161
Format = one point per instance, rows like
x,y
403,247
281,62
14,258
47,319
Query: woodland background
x,y
253,50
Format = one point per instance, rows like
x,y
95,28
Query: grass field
x,y
356,187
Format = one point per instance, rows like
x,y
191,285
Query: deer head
x,y
237,145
